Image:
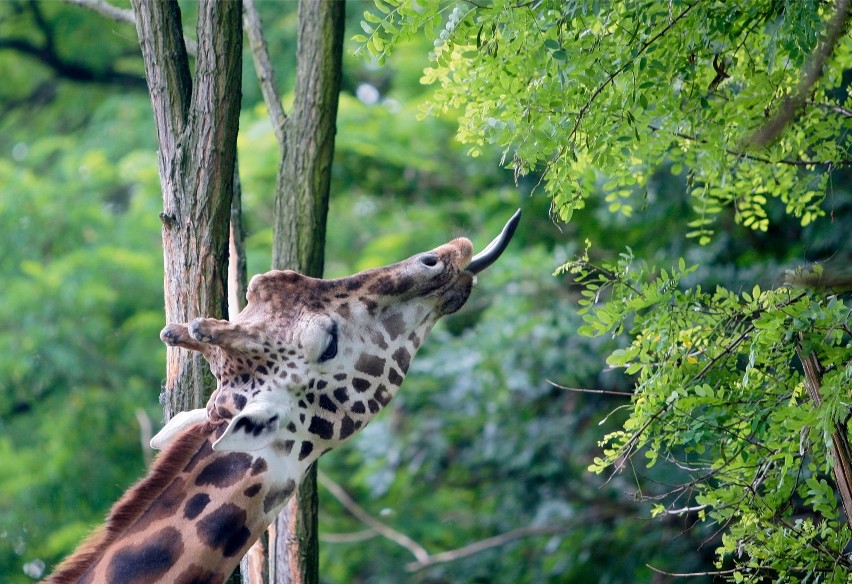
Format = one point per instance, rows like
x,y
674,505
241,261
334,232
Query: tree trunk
x,y
197,131
301,209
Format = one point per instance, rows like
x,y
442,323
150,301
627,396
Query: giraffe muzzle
x,y
497,246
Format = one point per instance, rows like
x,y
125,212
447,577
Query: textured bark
x,y
301,210
301,203
841,449
196,130
237,269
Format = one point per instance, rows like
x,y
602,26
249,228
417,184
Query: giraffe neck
x,y
190,519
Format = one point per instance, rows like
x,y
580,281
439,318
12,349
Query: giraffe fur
x,y
304,367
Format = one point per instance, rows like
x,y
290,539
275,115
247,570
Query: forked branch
x,y
423,559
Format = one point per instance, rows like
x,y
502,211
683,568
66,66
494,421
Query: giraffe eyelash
x,y
331,349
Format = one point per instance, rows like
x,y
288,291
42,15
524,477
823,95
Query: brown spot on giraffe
x,y
196,574
225,528
143,563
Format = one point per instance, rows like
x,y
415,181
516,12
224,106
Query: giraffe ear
x,y
177,425
255,427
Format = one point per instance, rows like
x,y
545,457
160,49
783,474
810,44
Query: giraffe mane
x,y
133,503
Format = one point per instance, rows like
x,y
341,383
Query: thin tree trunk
x,y
301,203
196,130
237,270
301,210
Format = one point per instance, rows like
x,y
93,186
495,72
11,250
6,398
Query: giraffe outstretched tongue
x,y
497,246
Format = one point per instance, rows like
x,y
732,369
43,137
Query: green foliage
x,y
79,322
717,392
683,82
479,442
636,118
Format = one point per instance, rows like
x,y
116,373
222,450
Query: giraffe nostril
x,y
430,260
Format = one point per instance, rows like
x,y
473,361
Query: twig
x,y
587,106
482,545
423,557
263,67
352,537
756,158
788,109
417,550
595,391
684,510
691,574
838,109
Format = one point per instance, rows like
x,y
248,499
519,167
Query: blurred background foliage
x,y
479,443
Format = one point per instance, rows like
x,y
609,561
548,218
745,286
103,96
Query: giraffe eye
x,y
331,348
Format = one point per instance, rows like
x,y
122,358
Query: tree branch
x,y
792,104
485,544
106,9
838,109
588,105
263,67
740,154
595,391
841,450
117,14
417,550
353,537
71,70
423,558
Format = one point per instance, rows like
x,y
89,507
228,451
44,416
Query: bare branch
x,y
691,574
424,558
106,9
685,510
417,550
117,14
263,67
595,391
353,537
838,109
792,104
71,70
485,544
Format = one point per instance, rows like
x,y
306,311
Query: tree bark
x,y
301,203
841,449
301,210
197,131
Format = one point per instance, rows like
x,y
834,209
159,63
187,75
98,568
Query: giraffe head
x,y
309,362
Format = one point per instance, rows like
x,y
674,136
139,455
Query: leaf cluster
x,y
719,394
685,82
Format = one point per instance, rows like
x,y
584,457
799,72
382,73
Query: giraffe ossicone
x,y
305,366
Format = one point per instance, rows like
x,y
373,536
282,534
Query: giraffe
x,y
300,370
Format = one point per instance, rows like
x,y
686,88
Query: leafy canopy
x,y
592,99
596,95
